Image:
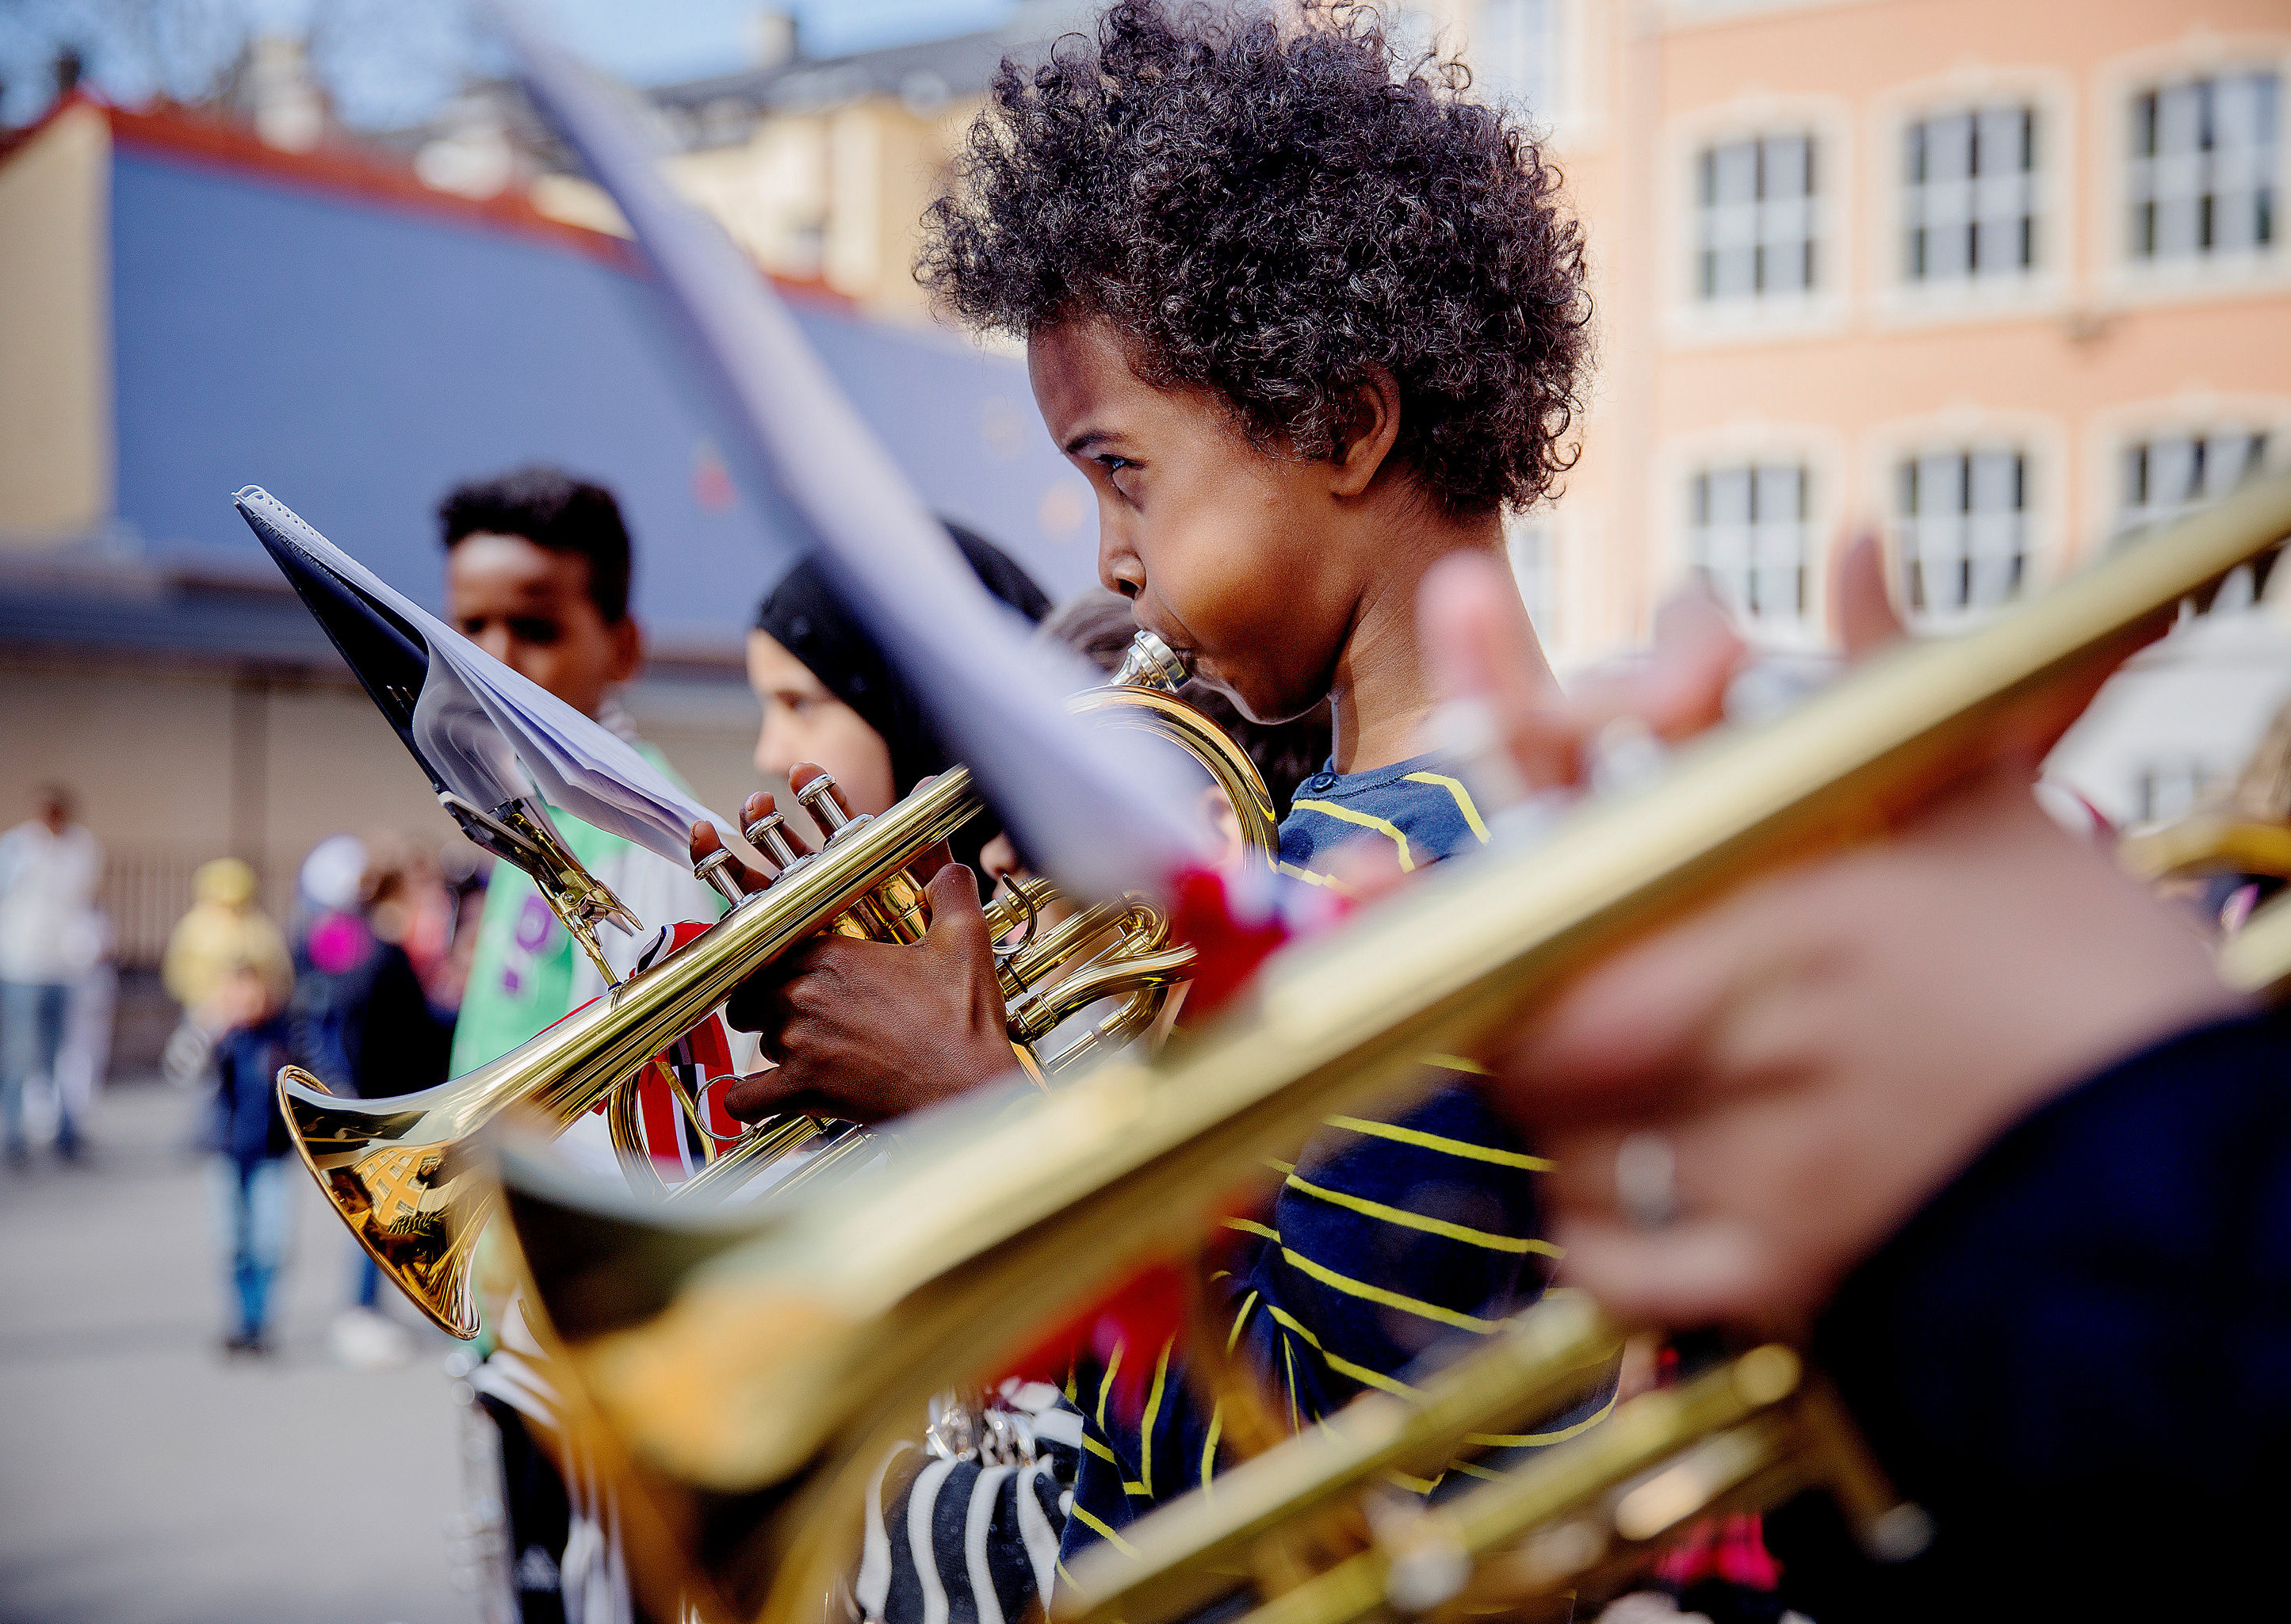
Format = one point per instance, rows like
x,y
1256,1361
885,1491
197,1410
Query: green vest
x,y
521,971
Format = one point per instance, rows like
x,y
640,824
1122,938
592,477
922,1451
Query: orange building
x,y
2004,278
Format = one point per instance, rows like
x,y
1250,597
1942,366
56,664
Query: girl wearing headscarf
x,y
831,698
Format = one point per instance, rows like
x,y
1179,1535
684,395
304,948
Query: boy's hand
x,y
865,1031
1744,1106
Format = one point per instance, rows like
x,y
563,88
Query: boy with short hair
x,y
1309,320
537,568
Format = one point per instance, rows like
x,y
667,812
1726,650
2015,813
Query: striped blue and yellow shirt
x,y
1386,1236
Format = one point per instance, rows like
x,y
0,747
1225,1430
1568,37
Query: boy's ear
x,y
1370,426
628,649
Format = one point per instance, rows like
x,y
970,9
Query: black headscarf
x,y
805,617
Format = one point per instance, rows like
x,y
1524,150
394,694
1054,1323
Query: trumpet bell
x,y
401,1173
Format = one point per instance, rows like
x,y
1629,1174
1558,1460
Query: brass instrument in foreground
x,y
750,1377
1314,1531
399,1170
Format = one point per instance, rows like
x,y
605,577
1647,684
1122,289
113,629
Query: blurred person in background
x,y
49,942
222,929
363,1015
537,569
249,1163
83,1062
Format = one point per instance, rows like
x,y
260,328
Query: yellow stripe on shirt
x,y
1152,1410
1102,1531
1418,1220
1105,1383
1463,798
1361,1289
1327,882
1238,1320
1514,1440
1383,825
1337,1363
1440,1142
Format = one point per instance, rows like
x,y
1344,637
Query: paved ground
x,y
142,1478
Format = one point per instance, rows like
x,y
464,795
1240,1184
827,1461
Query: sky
x,y
392,60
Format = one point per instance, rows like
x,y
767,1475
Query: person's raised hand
x,y
1810,1059
866,1030
1743,1107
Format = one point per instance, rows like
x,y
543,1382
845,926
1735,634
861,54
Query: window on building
x,y
1535,565
1963,532
1516,55
1969,196
2165,789
2204,167
1756,230
2168,475
1747,537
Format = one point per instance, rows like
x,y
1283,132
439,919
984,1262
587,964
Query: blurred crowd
x,y
359,985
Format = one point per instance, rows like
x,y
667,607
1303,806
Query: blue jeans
x,y
31,1034
251,1216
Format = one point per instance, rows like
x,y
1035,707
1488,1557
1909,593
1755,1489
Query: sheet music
x,y
495,735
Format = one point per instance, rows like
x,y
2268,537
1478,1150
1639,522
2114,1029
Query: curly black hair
x,y
1274,210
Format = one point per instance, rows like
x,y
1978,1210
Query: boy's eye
x,y
1115,466
531,628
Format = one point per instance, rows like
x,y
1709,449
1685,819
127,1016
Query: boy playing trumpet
x,y
1310,320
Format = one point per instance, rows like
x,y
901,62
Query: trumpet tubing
x,y
400,1172
403,1172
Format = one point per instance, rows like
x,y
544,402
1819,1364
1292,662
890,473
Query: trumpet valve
x,y
768,835
715,869
818,799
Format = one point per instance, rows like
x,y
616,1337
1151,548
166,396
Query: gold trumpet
x,y
399,1170
747,1377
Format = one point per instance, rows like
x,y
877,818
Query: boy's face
x,y
1227,553
530,609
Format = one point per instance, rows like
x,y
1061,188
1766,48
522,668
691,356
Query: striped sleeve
x,y
964,1541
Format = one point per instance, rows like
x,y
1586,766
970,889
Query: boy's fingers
x,y
706,844
770,1093
1630,1035
957,921
762,805
1696,653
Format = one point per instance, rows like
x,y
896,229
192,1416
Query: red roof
x,y
342,168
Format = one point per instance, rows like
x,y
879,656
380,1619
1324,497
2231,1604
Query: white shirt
x,y
49,931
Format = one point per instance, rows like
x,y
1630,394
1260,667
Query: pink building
x,y
2007,279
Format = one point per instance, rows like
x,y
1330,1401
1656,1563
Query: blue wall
x,y
358,358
